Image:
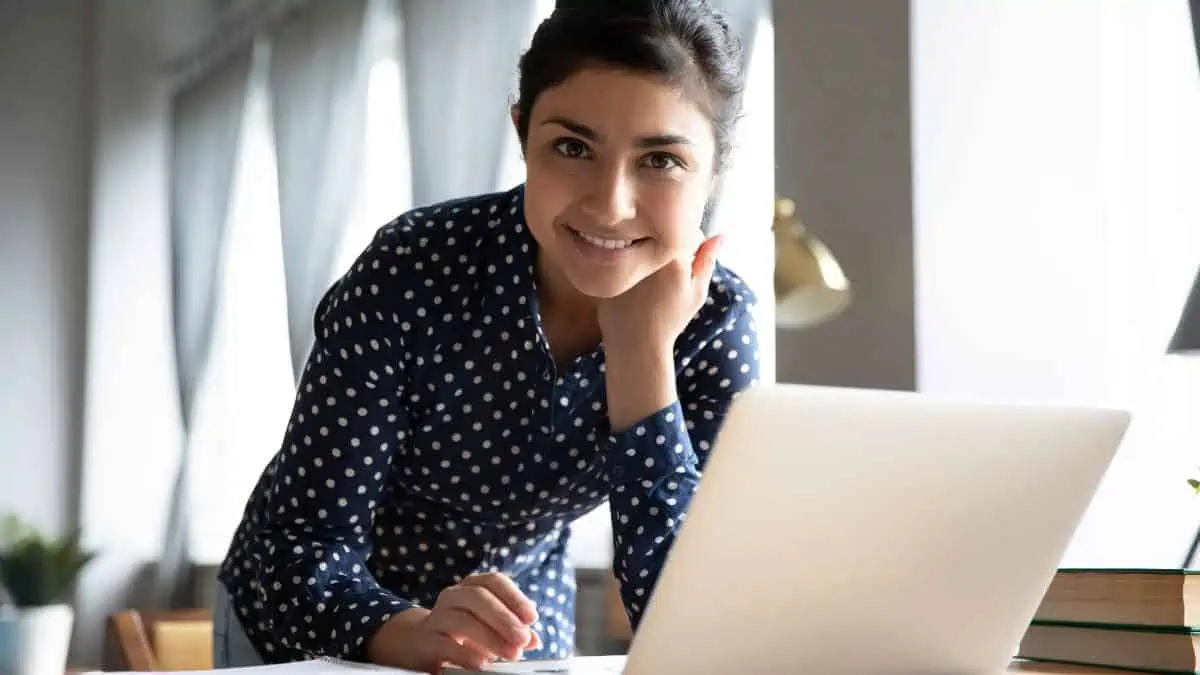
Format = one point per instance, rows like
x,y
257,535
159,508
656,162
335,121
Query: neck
x,y
559,299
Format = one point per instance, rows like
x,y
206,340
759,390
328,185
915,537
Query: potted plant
x,y
38,574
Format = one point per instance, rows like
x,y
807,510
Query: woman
x,y
494,367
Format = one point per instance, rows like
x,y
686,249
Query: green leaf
x,y
1195,484
38,570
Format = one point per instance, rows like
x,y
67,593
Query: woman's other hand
x,y
657,309
639,328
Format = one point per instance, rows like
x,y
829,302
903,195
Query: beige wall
x,y
843,153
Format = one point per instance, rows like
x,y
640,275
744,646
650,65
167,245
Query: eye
x,y
571,148
662,161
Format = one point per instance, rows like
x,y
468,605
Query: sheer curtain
x,y
318,83
206,124
1145,513
746,207
1056,210
459,56
385,190
249,389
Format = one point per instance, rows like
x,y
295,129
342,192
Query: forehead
x,y
624,106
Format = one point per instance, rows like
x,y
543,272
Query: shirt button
x,y
618,473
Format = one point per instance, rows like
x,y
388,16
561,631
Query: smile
x,y
601,242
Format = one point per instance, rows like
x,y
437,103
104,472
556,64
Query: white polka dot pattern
x,y
433,437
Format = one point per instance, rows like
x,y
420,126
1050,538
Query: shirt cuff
x,y
359,615
653,448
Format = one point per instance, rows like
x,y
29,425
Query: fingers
x,y
483,607
490,610
462,654
506,590
461,625
705,260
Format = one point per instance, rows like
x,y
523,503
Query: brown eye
x,y
571,148
662,161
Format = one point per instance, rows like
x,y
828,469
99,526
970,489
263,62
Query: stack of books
x,y
1145,620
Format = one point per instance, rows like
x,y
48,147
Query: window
x,y
747,204
245,397
386,190
1144,513
1056,234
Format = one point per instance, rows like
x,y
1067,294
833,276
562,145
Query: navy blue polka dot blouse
x,y
433,438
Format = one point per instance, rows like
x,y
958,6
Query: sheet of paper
x,y
580,665
312,667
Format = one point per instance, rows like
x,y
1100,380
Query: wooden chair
x,y
161,641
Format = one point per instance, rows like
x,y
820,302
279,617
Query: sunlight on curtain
x,y
1056,229
386,191
1144,512
247,397
512,170
247,393
747,205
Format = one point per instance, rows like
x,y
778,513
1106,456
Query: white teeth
x,y
612,244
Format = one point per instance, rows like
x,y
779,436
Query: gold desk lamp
x,y
810,287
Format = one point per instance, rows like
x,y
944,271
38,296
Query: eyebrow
x,y
587,132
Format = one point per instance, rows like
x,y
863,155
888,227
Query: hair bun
x,y
608,7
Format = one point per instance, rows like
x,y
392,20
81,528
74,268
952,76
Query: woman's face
x,y
619,168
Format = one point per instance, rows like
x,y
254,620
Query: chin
x,y
601,287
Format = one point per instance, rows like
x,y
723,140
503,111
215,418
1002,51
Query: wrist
x,y
644,353
381,647
639,383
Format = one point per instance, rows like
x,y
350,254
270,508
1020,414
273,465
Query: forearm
x,y
327,601
639,382
653,473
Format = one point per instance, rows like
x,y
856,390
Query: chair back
x,y
161,641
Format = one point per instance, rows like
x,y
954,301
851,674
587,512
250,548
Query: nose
x,y
611,198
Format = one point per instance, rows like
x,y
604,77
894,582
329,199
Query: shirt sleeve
x,y
327,478
655,466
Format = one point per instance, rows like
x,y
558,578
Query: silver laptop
x,y
860,531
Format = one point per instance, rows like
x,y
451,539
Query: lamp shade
x,y
810,287
1187,334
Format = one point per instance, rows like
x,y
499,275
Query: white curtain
x,y
1144,514
459,59
205,130
1055,230
318,86
746,204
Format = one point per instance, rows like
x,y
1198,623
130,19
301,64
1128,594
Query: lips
x,y
604,242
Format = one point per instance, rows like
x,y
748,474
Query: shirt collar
x,y
517,309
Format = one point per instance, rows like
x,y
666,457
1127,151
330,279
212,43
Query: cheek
x,y
675,216
547,194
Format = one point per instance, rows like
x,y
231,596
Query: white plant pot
x,y
35,640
